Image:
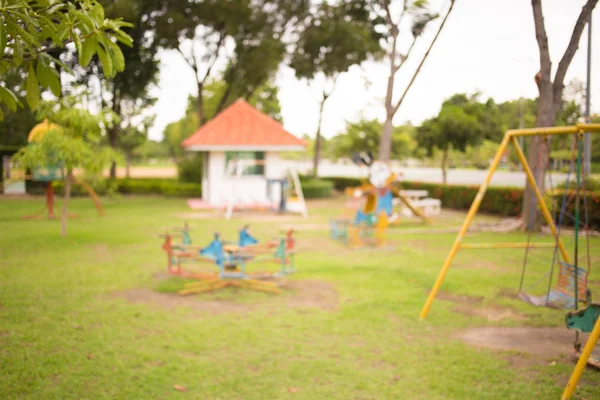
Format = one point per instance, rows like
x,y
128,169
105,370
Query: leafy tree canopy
x,y
338,36
365,135
30,31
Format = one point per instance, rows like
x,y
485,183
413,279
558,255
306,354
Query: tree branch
x,y
563,65
326,93
542,39
405,57
191,63
424,57
216,56
388,13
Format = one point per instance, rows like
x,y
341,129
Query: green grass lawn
x,y
87,316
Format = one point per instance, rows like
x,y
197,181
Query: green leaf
x,y
106,62
89,47
1,115
5,66
28,39
2,39
9,98
54,82
117,56
77,41
97,12
33,88
48,76
50,31
18,53
85,19
25,17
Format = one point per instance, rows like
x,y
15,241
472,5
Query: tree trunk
x,y
538,157
64,216
385,145
127,164
318,141
113,132
223,100
113,139
445,166
200,104
549,102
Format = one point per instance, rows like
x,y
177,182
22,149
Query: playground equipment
x,y
571,287
373,206
231,260
51,173
278,190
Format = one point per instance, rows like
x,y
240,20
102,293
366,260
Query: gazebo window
x,y
249,169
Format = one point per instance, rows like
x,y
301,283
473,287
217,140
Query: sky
x,y
487,46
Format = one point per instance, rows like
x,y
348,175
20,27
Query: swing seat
x,y
562,295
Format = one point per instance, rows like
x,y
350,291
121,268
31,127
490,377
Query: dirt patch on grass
x,y
459,298
482,264
491,312
173,301
472,306
539,344
300,294
312,294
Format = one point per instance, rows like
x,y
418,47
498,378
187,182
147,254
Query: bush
x,y
316,188
341,183
189,169
590,183
504,201
165,187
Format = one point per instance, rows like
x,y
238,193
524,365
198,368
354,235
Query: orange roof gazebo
x,y
242,127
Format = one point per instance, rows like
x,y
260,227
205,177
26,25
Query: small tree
x,y
364,136
421,17
257,30
336,38
70,143
131,138
454,127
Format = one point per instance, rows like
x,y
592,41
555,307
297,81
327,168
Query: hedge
x,y
504,201
312,188
166,187
316,188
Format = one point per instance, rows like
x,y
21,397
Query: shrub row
x,y
504,201
316,188
312,188
165,187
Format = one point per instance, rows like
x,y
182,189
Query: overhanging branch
x,y
414,77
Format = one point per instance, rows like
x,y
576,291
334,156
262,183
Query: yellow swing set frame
x,y
511,137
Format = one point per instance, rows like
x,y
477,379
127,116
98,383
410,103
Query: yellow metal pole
x,y
465,226
540,198
505,245
583,358
554,130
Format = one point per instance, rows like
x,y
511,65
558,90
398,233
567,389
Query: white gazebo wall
x,y
246,189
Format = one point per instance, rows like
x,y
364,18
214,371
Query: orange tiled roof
x,y
242,126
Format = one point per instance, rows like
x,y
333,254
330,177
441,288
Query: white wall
x,y
246,189
205,186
